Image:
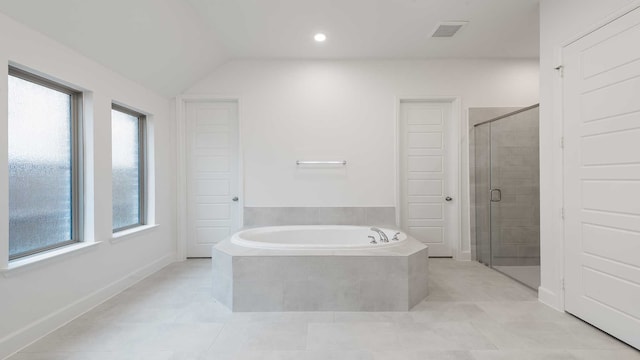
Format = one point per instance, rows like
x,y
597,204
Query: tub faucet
x,y
383,236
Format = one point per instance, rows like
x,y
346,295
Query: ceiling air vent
x,y
448,29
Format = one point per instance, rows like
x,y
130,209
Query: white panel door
x,y
602,178
212,141
428,175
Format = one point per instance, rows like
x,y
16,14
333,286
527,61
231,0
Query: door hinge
x,y
562,213
562,142
562,283
560,69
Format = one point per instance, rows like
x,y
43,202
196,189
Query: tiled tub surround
x,y
383,279
273,216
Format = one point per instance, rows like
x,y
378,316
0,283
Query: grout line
x,y
215,338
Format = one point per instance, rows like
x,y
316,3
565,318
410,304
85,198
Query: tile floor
x,y
528,275
472,313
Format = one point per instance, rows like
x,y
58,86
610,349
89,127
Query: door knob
x,y
448,198
235,198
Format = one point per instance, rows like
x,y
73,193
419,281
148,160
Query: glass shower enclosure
x,y
507,195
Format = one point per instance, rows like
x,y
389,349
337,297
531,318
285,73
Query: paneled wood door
x,y
213,209
428,174
602,177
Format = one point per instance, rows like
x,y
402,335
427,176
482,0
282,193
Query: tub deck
x,y
383,279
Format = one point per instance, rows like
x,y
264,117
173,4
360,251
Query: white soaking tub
x,y
320,268
325,237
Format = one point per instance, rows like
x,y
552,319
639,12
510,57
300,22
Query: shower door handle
x,y
495,198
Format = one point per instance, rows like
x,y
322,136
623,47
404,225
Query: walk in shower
x,y
507,194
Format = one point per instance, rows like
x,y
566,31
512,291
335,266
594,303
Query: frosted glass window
x,y
127,169
40,134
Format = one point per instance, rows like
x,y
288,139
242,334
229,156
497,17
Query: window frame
x,y
142,168
77,159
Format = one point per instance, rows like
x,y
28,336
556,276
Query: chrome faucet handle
x,y
373,240
395,236
383,236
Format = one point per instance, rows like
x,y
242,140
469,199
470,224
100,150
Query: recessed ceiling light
x,y
320,37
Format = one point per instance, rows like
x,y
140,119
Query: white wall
x,y
35,300
346,110
560,21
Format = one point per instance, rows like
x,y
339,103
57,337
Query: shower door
x,y
507,195
482,186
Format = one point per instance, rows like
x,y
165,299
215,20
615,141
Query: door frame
x,y
457,247
546,294
182,232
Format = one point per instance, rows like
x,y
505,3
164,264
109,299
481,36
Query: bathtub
x,y
325,237
319,268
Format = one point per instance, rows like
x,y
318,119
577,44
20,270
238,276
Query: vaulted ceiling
x,y
167,45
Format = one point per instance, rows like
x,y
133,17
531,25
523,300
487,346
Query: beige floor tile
x,y
422,355
441,336
353,336
242,336
291,355
372,316
472,312
625,354
521,355
181,337
283,317
444,311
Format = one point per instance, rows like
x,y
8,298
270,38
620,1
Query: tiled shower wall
x,y
479,178
512,165
515,169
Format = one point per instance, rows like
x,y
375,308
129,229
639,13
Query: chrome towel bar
x,y
302,162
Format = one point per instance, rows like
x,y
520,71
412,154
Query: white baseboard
x,y
549,298
31,333
464,256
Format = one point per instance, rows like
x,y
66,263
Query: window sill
x,y
37,260
129,233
